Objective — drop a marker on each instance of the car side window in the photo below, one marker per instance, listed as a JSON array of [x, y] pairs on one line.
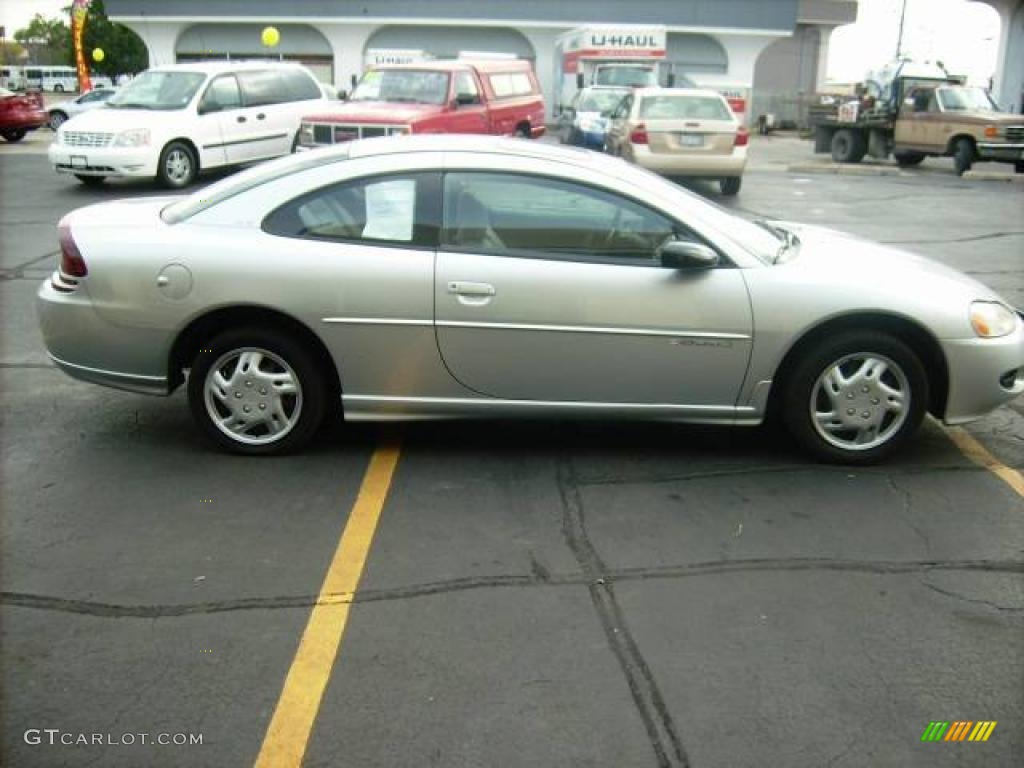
[[465, 89], [380, 209], [221, 94], [516, 214], [623, 109], [263, 87]]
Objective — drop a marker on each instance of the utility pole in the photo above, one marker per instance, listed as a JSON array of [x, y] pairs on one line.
[[899, 40]]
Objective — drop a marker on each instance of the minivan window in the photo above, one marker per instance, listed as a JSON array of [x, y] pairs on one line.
[[299, 85], [156, 89], [262, 87], [221, 94]]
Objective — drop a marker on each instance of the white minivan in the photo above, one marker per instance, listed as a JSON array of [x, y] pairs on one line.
[[171, 122]]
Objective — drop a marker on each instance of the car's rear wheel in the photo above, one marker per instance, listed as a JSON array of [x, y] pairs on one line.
[[963, 156], [257, 391], [57, 119], [58, 88], [523, 131], [14, 134], [178, 165], [91, 181], [730, 186], [848, 146], [906, 159], [856, 397]]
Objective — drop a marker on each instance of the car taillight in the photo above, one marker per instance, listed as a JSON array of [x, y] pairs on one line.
[[639, 135], [71, 261], [742, 137]]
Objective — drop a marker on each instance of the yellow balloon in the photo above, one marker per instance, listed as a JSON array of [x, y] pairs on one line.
[[270, 37], [98, 54]]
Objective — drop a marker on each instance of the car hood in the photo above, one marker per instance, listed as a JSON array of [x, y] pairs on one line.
[[113, 120], [868, 265], [983, 117], [376, 112]]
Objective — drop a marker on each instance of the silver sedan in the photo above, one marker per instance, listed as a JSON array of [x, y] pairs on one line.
[[457, 276]]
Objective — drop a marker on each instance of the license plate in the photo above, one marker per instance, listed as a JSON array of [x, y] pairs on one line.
[[78, 161], [691, 139]]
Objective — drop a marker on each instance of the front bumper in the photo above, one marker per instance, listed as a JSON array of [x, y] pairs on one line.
[[87, 347], [983, 374], [988, 150], [691, 164], [137, 162]]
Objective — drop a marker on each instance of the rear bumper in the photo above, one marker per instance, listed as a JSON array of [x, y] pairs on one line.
[[87, 347], [983, 374], [103, 161], [690, 164]]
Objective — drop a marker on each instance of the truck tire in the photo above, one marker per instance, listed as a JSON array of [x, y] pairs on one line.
[[848, 146], [907, 159], [963, 156], [1019, 166]]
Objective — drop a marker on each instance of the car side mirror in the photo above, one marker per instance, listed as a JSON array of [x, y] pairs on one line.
[[464, 99], [684, 254]]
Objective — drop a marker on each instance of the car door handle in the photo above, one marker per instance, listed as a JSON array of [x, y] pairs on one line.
[[240, 118], [471, 289], [260, 116]]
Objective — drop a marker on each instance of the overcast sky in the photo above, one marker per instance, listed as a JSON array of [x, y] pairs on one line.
[[964, 35]]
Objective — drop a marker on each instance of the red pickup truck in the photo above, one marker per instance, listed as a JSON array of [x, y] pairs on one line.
[[459, 96]]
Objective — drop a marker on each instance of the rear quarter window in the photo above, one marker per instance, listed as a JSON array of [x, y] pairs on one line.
[[276, 87], [684, 107], [507, 85]]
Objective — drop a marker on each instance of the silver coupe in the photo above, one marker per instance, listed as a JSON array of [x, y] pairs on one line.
[[458, 276]]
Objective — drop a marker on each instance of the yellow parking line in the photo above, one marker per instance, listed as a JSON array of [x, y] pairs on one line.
[[977, 453], [288, 733]]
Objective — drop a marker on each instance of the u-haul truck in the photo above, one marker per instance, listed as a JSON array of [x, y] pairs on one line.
[[613, 55]]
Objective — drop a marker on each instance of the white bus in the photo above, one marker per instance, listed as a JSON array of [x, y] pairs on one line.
[[51, 78], [12, 78]]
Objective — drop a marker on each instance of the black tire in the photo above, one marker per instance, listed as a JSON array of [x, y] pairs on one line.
[[14, 134], [91, 181], [1019, 166], [183, 166], [730, 186], [58, 88], [963, 156], [848, 146], [57, 118], [802, 384], [907, 159], [308, 408], [523, 131]]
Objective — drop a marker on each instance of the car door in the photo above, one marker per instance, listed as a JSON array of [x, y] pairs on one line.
[[261, 118], [550, 290], [468, 113], [220, 129]]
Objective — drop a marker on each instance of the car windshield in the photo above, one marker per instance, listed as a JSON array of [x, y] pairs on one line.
[[629, 76], [684, 107], [158, 90], [966, 100], [402, 85], [600, 100]]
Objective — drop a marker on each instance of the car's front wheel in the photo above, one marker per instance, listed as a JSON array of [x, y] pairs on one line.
[[257, 391], [963, 156], [856, 397], [178, 165], [57, 119], [14, 134]]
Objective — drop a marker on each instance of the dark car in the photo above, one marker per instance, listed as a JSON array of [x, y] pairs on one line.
[[584, 122], [20, 114]]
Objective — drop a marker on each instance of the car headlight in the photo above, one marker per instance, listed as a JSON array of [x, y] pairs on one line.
[[991, 319], [138, 137]]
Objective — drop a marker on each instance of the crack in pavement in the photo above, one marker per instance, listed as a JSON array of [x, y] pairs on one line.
[[967, 239], [978, 600], [10, 273], [793, 564], [650, 704]]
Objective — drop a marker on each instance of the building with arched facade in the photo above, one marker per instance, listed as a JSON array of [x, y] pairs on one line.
[[772, 46]]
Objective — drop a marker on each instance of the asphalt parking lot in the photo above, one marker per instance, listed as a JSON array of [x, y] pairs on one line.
[[534, 594]]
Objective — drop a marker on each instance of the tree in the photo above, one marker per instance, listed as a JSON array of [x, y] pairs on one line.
[[47, 40], [12, 52], [123, 50]]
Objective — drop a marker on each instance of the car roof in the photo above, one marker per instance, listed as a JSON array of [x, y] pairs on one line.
[[677, 92], [218, 66], [495, 145]]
